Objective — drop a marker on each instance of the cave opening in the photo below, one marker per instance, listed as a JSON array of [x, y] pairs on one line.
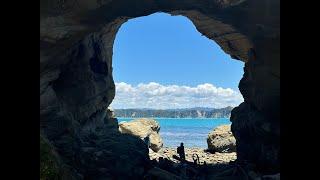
[[76, 82], [165, 69]]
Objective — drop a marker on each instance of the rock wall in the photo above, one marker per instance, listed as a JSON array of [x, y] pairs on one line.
[[76, 84], [74, 117]]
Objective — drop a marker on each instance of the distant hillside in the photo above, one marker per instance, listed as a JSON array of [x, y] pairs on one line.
[[197, 112]]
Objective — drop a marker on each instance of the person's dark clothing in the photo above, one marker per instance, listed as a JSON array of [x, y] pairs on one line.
[[180, 151]]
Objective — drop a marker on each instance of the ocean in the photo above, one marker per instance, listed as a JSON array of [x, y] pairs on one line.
[[193, 132]]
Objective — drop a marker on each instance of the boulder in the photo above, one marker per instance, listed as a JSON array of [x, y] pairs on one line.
[[143, 128], [113, 154], [221, 139]]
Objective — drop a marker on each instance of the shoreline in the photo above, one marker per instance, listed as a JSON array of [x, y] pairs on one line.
[[209, 158], [170, 118]]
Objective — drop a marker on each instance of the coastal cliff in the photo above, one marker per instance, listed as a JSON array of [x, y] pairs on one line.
[[175, 113]]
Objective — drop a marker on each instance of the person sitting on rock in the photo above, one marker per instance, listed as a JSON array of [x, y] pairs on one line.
[[180, 151]]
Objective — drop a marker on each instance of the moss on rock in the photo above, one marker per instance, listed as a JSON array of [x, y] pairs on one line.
[[49, 163]]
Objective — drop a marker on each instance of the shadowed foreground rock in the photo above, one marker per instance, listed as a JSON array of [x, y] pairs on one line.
[[219, 166], [143, 128], [221, 139]]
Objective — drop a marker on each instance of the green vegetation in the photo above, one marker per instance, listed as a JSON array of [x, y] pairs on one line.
[[49, 164]]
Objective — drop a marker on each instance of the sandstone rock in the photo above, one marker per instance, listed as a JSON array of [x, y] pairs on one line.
[[143, 128], [221, 139], [155, 141]]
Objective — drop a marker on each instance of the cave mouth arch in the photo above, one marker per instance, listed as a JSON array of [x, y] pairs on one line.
[[231, 41], [73, 95], [160, 48], [138, 44]]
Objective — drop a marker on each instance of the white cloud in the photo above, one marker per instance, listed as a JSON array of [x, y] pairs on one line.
[[157, 96]]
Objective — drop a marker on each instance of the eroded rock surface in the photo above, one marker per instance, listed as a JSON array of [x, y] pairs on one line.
[[75, 117], [143, 128], [221, 139]]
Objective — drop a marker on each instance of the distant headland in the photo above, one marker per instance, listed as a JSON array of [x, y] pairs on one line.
[[196, 112]]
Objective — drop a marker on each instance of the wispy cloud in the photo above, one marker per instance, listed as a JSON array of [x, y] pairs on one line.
[[157, 96]]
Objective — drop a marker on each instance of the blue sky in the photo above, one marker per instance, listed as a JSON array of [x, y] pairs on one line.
[[167, 51]]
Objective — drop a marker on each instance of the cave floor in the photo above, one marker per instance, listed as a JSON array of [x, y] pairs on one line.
[[217, 166], [204, 156]]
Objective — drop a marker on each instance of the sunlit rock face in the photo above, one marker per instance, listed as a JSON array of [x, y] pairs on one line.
[[143, 128], [221, 139], [76, 83]]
